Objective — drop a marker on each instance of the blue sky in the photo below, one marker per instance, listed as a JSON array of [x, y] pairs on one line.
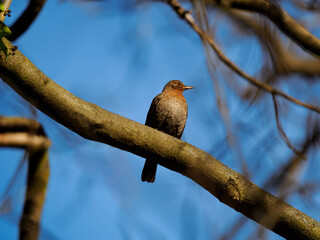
[[120, 59]]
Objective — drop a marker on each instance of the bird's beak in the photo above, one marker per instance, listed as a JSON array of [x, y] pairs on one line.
[[186, 87]]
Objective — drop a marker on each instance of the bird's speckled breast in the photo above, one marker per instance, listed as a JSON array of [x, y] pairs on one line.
[[171, 113]]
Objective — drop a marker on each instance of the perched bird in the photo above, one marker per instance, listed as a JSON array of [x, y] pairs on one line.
[[168, 113]]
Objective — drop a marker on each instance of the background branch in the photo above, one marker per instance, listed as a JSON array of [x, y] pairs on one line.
[[185, 15], [38, 175], [23, 140], [26, 19], [280, 18], [29, 135], [281, 131], [18, 124]]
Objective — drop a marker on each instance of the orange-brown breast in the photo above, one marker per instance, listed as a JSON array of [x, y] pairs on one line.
[[168, 112]]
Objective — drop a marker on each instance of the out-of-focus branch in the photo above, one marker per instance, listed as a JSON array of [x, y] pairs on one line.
[[23, 140], [279, 17], [28, 134], [232, 139], [18, 124], [281, 131], [312, 5], [38, 175], [284, 179], [186, 15], [279, 178], [94, 123], [26, 19], [284, 61], [22, 133]]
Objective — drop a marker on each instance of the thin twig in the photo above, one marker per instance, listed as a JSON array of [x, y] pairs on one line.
[[233, 141], [186, 15], [282, 133]]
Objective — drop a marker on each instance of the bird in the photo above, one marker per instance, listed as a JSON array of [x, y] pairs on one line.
[[168, 113]]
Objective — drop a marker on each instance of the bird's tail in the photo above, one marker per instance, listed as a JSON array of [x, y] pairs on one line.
[[149, 171]]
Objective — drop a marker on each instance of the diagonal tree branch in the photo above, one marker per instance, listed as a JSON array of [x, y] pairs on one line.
[[94, 123], [185, 15], [284, 60], [279, 17], [280, 129]]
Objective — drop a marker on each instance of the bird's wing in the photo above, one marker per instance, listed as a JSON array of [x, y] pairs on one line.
[[151, 120]]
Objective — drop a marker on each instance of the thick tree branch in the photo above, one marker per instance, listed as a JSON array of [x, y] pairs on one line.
[[94, 123], [280, 18]]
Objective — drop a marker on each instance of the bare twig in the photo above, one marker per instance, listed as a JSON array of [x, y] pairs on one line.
[[280, 179], [280, 129], [284, 60], [279, 17], [186, 15], [29, 134], [5, 197], [221, 101], [281, 61]]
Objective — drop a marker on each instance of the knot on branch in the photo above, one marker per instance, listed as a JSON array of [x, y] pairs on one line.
[[232, 192], [184, 14]]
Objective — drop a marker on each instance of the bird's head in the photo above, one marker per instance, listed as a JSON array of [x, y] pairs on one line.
[[176, 84]]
